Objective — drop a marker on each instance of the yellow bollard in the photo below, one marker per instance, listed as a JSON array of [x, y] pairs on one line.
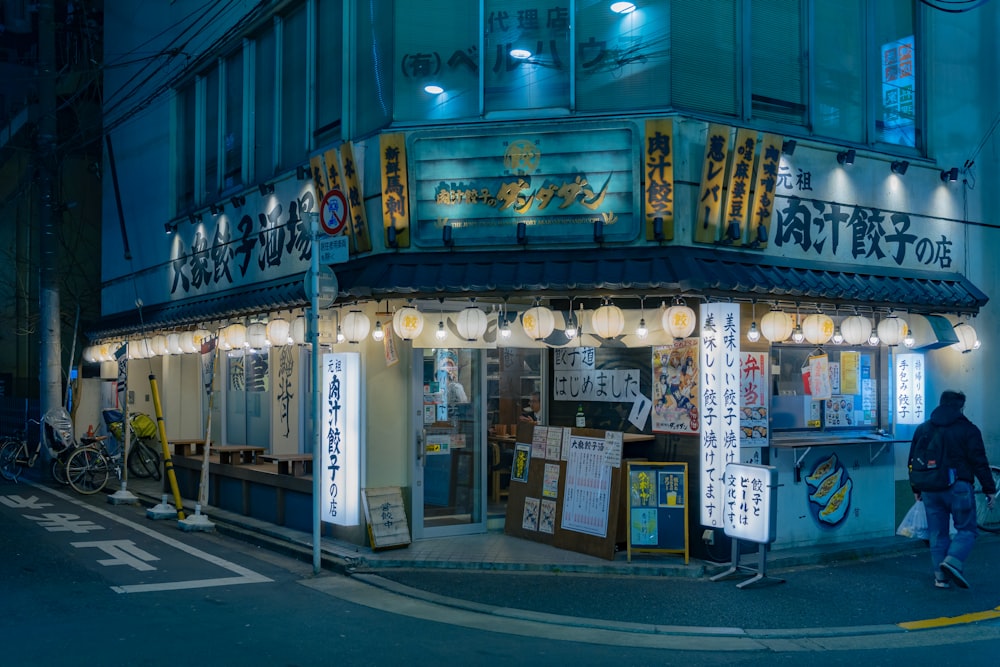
[[168, 464]]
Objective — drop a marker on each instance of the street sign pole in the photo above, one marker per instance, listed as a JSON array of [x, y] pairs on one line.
[[313, 328]]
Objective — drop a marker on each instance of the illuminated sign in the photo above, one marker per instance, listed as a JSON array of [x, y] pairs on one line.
[[719, 390], [911, 407], [751, 507], [340, 439]]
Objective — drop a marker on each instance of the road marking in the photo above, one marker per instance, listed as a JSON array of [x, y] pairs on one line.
[[945, 621], [244, 575]]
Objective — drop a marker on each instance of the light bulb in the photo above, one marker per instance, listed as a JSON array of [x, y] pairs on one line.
[[753, 334], [379, 332], [642, 331], [440, 334], [797, 335], [837, 337], [571, 329], [340, 335], [908, 339], [873, 339]]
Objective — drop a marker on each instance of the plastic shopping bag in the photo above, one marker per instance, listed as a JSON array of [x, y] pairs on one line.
[[914, 524]]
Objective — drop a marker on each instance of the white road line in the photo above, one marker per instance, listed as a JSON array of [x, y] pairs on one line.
[[245, 576]]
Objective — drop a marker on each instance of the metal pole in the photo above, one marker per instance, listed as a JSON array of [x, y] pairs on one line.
[[168, 464], [313, 328]]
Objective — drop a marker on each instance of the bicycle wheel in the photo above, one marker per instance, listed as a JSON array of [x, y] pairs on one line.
[[12, 459], [87, 470], [988, 519], [58, 469], [143, 461]]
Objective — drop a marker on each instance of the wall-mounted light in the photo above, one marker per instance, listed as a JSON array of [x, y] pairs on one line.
[[899, 166], [847, 157], [170, 228], [194, 218], [788, 146], [302, 173], [622, 7], [390, 237], [446, 237], [658, 228], [266, 189], [599, 231], [522, 233], [520, 54], [950, 175], [216, 209], [433, 89], [238, 201]]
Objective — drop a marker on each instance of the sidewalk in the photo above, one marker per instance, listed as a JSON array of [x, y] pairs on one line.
[[867, 587]]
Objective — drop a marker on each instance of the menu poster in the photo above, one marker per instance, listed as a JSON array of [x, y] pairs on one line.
[[613, 451], [588, 487]]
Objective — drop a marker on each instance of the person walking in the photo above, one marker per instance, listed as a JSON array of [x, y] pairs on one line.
[[965, 458]]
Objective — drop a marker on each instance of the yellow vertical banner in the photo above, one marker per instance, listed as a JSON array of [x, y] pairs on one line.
[[765, 181], [317, 168], [358, 229], [713, 177], [659, 164], [738, 199], [332, 163], [395, 189]]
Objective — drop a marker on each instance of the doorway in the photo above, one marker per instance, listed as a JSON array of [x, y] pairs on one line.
[[449, 497]]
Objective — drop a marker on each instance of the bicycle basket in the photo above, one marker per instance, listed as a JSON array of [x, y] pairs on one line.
[[57, 431], [113, 419], [143, 426]]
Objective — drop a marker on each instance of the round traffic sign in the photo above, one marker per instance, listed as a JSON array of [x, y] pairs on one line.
[[333, 212]]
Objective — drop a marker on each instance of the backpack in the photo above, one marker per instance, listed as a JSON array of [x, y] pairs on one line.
[[928, 469]]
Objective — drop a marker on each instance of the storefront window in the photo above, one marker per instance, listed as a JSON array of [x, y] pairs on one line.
[[184, 164], [824, 389], [294, 126], [329, 70], [526, 55], [896, 108], [264, 105], [232, 132]]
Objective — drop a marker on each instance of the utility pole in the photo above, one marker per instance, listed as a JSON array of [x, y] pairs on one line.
[[50, 324]]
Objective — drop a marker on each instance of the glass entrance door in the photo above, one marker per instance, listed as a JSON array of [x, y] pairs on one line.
[[449, 497]]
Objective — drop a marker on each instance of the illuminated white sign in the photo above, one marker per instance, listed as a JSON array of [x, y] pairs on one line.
[[340, 439], [911, 407], [751, 505], [719, 391]]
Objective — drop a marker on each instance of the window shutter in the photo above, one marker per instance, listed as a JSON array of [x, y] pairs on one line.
[[703, 55], [777, 61]]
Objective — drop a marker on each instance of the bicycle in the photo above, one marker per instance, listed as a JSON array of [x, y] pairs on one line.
[[143, 459], [988, 518], [16, 457], [89, 467]]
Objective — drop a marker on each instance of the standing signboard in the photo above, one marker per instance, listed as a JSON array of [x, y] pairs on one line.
[[657, 508]]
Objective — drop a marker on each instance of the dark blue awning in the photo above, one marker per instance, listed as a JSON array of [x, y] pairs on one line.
[[710, 272]]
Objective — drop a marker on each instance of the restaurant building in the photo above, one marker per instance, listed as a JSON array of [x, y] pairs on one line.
[[733, 231]]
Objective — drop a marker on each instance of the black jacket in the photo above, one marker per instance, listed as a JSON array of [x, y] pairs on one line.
[[965, 450]]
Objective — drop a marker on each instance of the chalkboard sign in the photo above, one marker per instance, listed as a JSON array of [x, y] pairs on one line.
[[657, 508]]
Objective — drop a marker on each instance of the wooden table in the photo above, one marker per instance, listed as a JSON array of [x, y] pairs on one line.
[[193, 446], [245, 453], [295, 465]]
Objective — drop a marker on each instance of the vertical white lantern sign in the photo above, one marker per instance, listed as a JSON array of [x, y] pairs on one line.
[[911, 406], [340, 439], [720, 404]]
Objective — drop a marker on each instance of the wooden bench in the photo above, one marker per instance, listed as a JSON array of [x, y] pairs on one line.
[[191, 447], [244, 453], [295, 465]]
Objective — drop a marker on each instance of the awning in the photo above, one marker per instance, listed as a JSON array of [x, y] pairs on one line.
[[674, 270], [639, 272]]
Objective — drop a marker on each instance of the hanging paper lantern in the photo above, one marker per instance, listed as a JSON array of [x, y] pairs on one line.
[[139, 349], [777, 326], [158, 346], [298, 330], [856, 329], [538, 322], [356, 326], [471, 323], [277, 331], [186, 342], [90, 354], [174, 344], [608, 321], [968, 340], [235, 336], [679, 320], [257, 336], [817, 328], [892, 330], [408, 322]]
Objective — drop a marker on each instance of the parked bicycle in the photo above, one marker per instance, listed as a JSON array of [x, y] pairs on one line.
[[89, 467], [143, 457], [988, 517], [18, 455]]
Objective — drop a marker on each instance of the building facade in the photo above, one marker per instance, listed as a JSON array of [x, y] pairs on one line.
[[538, 196]]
